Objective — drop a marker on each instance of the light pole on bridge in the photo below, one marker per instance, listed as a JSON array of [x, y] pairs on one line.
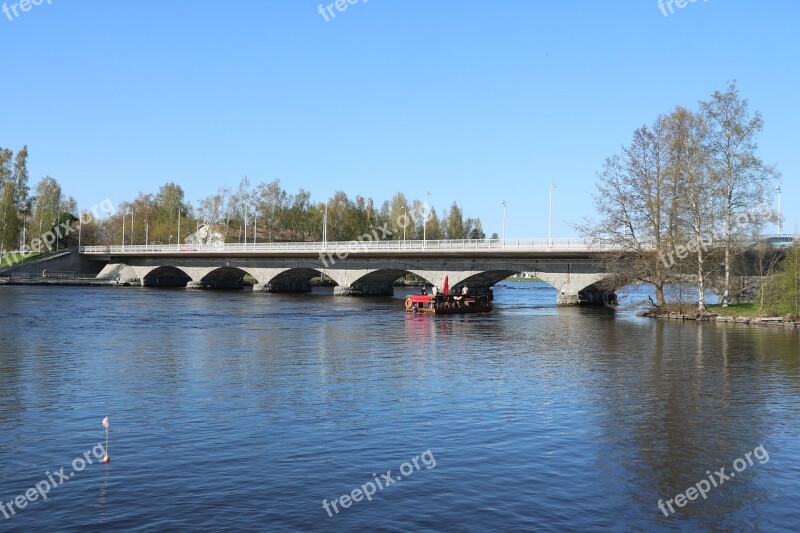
[[178, 242], [504, 222], [550, 224], [425, 220], [405, 223], [780, 222], [325, 224]]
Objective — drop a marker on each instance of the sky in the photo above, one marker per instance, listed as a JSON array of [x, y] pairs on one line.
[[474, 102]]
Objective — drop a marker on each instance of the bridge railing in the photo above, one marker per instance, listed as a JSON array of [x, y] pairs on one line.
[[543, 244]]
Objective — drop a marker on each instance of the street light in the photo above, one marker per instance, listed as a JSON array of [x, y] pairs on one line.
[[504, 222], [405, 223], [146, 231], [425, 220], [123, 232], [550, 225], [780, 222], [325, 224], [178, 242]]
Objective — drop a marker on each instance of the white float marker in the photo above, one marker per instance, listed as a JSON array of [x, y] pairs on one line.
[[105, 425]]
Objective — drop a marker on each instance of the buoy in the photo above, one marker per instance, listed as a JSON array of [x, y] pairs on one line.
[[106, 425]]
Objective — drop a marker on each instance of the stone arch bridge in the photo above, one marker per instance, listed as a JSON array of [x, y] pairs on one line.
[[572, 267]]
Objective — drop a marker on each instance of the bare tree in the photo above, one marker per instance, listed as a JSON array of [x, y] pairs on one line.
[[743, 176], [689, 166], [636, 200]]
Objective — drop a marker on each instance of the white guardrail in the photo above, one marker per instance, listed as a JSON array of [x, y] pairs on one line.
[[572, 245]]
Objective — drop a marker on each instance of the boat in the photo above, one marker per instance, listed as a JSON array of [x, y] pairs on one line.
[[448, 304]]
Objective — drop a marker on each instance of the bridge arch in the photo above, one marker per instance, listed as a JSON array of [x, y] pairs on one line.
[[165, 276], [226, 278], [293, 280]]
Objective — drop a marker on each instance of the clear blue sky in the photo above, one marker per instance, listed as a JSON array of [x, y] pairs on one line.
[[476, 102]]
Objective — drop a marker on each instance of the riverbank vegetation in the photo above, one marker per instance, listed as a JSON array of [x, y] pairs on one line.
[[689, 195]]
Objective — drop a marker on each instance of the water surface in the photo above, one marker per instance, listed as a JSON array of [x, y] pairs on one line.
[[241, 411]]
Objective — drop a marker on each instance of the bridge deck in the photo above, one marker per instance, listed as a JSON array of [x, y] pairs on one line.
[[494, 246]]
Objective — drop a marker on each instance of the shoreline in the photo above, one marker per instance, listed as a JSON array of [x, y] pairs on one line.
[[63, 282], [713, 317]]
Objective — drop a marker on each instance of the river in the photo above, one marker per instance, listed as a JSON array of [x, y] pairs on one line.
[[241, 411]]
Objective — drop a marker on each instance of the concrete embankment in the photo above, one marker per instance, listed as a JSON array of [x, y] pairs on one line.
[[60, 282], [760, 321]]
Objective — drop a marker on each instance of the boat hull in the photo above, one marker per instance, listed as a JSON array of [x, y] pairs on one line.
[[427, 305]]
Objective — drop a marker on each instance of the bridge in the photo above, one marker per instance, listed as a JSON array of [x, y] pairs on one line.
[[361, 267]]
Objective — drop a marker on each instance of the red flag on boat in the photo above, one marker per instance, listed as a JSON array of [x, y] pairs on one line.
[[105, 422], [446, 286]]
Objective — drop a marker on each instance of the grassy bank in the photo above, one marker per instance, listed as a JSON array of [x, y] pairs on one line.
[[16, 259]]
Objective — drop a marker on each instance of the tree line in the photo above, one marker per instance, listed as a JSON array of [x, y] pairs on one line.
[[685, 197], [260, 212]]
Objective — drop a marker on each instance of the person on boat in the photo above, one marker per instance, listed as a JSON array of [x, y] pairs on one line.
[[435, 291], [464, 291], [423, 291]]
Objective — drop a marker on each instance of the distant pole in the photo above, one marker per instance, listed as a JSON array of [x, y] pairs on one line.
[[123, 232], [131, 226], [80, 228], [325, 224], [425, 221], [780, 222], [550, 225], [245, 226], [255, 230], [405, 223], [178, 242], [504, 222], [146, 232]]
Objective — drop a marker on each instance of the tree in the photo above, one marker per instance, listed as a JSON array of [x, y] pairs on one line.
[[433, 228], [689, 167], [743, 176], [400, 215], [49, 199], [271, 202], [784, 292], [474, 229], [9, 230], [639, 208], [455, 223]]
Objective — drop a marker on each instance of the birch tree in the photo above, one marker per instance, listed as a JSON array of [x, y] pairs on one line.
[[743, 176]]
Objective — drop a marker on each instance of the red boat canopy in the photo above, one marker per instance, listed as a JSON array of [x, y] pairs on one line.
[[420, 298]]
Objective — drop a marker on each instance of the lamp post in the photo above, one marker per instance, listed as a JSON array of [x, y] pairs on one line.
[[131, 226], [405, 223], [178, 242], [550, 224], [425, 220], [255, 229], [325, 224], [80, 230], [123, 232], [146, 231], [504, 222], [780, 222]]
